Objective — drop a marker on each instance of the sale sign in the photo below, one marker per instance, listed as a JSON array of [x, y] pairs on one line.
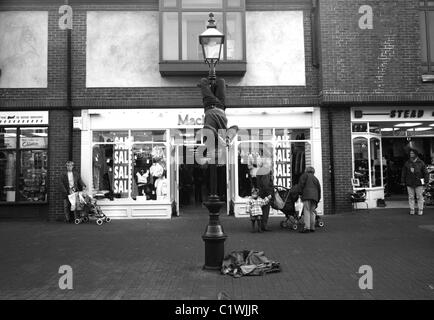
[[282, 163], [121, 161]]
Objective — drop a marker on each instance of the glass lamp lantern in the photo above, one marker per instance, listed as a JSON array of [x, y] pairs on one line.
[[211, 41]]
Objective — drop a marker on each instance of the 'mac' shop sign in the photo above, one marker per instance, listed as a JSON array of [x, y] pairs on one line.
[[393, 114]]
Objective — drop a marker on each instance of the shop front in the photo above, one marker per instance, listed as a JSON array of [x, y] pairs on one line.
[[23, 163], [149, 163], [381, 140]]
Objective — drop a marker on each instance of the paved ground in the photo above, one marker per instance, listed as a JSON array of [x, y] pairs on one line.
[[162, 259]]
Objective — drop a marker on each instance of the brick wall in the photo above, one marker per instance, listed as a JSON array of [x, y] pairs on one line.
[[382, 64], [337, 159], [58, 137]]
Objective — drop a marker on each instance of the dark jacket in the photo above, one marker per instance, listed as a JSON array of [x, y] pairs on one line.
[[310, 187], [412, 179], [265, 184], [64, 183]]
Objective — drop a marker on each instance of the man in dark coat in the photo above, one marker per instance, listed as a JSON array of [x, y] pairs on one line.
[[70, 182], [264, 180], [415, 176], [310, 195]]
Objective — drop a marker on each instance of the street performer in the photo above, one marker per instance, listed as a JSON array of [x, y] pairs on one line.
[[213, 97]]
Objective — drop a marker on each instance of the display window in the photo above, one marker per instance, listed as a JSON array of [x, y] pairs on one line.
[[281, 153], [130, 164], [23, 164]]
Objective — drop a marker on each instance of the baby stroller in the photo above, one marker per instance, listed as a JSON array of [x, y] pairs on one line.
[[284, 199], [92, 212]]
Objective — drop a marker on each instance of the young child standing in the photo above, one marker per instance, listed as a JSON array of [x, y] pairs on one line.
[[254, 208]]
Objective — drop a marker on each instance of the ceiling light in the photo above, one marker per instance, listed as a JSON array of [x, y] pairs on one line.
[[388, 129], [408, 124]]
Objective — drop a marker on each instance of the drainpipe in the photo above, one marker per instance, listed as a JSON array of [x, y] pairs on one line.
[[69, 87], [332, 162]]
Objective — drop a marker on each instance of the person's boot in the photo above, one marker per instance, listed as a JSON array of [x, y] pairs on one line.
[[253, 226], [420, 212], [412, 212]]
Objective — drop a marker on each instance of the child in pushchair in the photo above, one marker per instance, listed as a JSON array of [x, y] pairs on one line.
[[91, 211], [284, 199]]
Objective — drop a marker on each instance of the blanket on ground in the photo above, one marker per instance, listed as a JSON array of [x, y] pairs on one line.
[[248, 263]]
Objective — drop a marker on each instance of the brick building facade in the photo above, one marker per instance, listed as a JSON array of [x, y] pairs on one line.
[[347, 65]]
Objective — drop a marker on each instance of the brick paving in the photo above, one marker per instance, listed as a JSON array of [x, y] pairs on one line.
[[162, 259]]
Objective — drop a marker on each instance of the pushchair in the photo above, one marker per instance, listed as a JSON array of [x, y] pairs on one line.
[[91, 211], [284, 199]]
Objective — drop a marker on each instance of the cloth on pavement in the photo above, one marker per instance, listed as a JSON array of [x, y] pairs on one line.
[[248, 263]]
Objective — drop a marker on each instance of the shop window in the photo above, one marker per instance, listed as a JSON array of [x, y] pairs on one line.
[[7, 175], [33, 175], [182, 22], [427, 34], [130, 164], [287, 153], [361, 166], [253, 158], [150, 171], [376, 162], [368, 162], [23, 164]]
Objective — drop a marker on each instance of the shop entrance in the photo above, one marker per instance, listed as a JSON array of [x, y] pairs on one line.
[[395, 154], [193, 187]]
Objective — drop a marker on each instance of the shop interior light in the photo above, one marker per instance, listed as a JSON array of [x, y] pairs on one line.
[[423, 128], [408, 124], [431, 125], [388, 129]]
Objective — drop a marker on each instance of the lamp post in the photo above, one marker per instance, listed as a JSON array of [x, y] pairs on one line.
[[214, 237]]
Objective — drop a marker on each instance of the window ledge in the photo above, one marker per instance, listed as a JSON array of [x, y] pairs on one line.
[[428, 77], [195, 68]]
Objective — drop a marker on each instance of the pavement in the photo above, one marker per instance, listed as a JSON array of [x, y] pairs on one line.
[[163, 259]]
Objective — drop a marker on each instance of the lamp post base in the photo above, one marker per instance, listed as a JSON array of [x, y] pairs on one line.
[[214, 236]]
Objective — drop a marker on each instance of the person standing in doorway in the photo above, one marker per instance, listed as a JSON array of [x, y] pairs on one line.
[[310, 195], [415, 176], [70, 182]]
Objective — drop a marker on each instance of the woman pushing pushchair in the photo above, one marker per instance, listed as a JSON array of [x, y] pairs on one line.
[[285, 199]]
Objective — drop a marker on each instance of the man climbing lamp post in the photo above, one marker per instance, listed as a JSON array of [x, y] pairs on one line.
[[214, 237]]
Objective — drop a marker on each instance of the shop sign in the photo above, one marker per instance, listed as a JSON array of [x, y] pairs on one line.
[[187, 120], [121, 160], [78, 123], [33, 142], [282, 163], [23, 117], [393, 114]]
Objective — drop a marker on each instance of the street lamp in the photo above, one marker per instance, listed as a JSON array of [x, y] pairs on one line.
[[211, 41], [214, 237]]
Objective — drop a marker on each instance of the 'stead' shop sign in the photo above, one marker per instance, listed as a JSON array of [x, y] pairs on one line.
[[121, 160], [282, 163]]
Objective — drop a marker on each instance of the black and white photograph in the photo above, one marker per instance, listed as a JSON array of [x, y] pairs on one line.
[[217, 154]]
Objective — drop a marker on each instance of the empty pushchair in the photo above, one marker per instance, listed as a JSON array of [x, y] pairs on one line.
[[284, 200]]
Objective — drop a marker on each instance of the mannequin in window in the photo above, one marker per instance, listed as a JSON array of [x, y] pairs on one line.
[[142, 180], [217, 134]]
